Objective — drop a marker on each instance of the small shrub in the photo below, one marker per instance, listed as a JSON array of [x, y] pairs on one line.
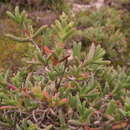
[[63, 88], [106, 27]]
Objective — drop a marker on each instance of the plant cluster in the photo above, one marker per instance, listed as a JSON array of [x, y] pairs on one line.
[[64, 86], [108, 27], [57, 5]]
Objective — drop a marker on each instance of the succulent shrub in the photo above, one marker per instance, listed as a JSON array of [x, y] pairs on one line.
[[108, 27], [63, 87]]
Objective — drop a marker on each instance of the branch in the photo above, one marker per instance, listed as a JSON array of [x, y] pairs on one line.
[[58, 84]]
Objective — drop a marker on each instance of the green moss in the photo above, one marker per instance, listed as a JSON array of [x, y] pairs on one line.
[[11, 52]]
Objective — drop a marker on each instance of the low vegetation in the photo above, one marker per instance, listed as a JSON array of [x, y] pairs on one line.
[[73, 74]]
